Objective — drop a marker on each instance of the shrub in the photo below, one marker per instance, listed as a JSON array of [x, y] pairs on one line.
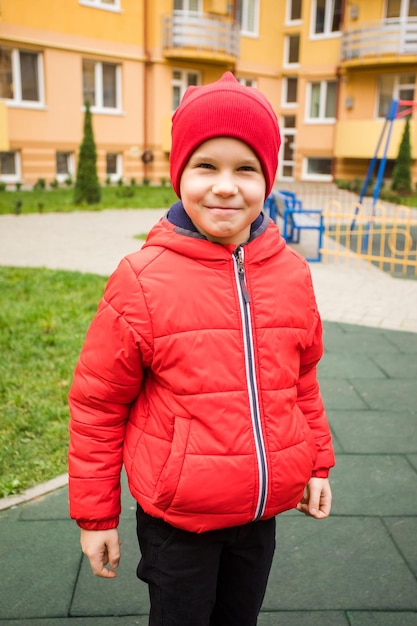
[[40, 184], [87, 188], [401, 175]]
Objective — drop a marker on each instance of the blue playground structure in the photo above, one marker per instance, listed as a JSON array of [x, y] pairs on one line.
[[397, 110]]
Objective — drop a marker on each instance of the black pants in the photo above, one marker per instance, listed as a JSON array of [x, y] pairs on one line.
[[217, 578]]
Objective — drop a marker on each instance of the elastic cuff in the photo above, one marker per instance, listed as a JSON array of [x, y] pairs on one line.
[[321, 472], [105, 524]]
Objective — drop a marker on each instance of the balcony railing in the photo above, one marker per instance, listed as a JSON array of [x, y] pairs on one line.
[[195, 34], [392, 36]]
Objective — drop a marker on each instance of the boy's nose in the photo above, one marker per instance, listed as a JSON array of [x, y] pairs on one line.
[[225, 186]]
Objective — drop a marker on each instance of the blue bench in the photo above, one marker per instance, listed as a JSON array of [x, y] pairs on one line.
[[295, 218]]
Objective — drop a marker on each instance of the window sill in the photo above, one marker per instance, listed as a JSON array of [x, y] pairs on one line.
[[35, 106], [103, 7]]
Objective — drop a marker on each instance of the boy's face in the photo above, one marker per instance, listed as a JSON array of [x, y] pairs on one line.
[[223, 189]]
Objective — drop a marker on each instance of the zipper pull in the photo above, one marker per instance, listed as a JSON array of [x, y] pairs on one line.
[[241, 273]]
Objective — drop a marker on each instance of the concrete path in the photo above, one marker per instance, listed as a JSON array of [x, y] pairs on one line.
[[96, 241], [357, 568]]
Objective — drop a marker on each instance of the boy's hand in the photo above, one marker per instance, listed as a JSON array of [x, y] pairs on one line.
[[102, 547], [317, 498]]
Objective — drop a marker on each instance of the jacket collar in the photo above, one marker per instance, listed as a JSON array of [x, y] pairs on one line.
[[178, 216]]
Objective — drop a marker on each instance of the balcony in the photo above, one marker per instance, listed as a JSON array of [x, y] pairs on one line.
[[379, 42], [358, 139], [200, 37]]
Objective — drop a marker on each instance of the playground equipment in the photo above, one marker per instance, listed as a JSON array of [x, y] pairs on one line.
[[397, 110]]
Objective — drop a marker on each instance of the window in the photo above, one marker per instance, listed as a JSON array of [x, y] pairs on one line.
[[180, 81], [10, 167], [287, 157], [394, 87], [64, 165], [188, 5], [327, 16], [247, 14], [321, 99], [293, 10], [315, 168], [110, 5], [290, 88], [248, 82], [292, 50], [114, 166], [401, 8], [21, 77], [101, 85]]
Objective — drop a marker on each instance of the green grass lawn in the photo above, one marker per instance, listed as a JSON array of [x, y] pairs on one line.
[[61, 199], [44, 315]]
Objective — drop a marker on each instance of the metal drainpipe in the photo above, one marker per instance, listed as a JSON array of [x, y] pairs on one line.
[[145, 85]]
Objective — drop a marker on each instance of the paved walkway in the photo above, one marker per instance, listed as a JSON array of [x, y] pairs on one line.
[[357, 568]]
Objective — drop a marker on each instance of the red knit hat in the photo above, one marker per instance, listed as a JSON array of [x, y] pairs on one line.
[[224, 109]]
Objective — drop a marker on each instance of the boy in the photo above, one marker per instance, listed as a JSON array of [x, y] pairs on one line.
[[199, 373]]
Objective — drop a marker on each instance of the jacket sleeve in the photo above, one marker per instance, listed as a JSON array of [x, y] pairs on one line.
[[106, 381], [310, 401]]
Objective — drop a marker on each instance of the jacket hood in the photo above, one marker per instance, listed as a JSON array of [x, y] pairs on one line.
[[175, 231]]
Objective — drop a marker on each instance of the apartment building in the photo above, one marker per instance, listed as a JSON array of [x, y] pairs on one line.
[[329, 67]]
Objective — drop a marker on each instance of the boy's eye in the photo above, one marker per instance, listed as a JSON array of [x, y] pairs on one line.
[[246, 168], [207, 166]]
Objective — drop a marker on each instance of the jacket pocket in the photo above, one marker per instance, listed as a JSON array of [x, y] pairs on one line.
[[170, 476]]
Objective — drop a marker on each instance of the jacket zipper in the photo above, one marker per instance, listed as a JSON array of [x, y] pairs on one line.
[[244, 299]]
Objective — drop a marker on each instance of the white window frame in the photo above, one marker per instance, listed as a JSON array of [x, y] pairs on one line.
[[288, 19], [61, 178], [182, 82], [114, 178], [247, 82], [287, 134], [287, 63], [315, 177], [244, 18], [397, 87], [328, 19], [321, 118], [284, 103], [98, 107], [404, 10], [17, 100], [186, 7], [100, 4], [17, 177]]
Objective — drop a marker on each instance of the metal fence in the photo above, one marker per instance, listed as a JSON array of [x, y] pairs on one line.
[[385, 236]]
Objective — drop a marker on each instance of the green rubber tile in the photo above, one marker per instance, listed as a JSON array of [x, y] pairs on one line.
[[387, 395], [340, 394], [404, 532], [373, 485], [298, 618], [382, 618], [123, 595], [374, 432], [402, 366], [338, 564], [39, 568], [405, 342], [368, 342], [52, 506], [412, 458], [349, 365], [113, 620]]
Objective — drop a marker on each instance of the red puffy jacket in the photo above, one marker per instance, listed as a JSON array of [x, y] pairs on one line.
[[199, 372]]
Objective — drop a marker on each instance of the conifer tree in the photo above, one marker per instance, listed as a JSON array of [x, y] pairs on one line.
[[87, 187], [401, 175]]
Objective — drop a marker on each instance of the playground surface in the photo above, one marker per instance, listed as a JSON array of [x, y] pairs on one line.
[[357, 568]]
